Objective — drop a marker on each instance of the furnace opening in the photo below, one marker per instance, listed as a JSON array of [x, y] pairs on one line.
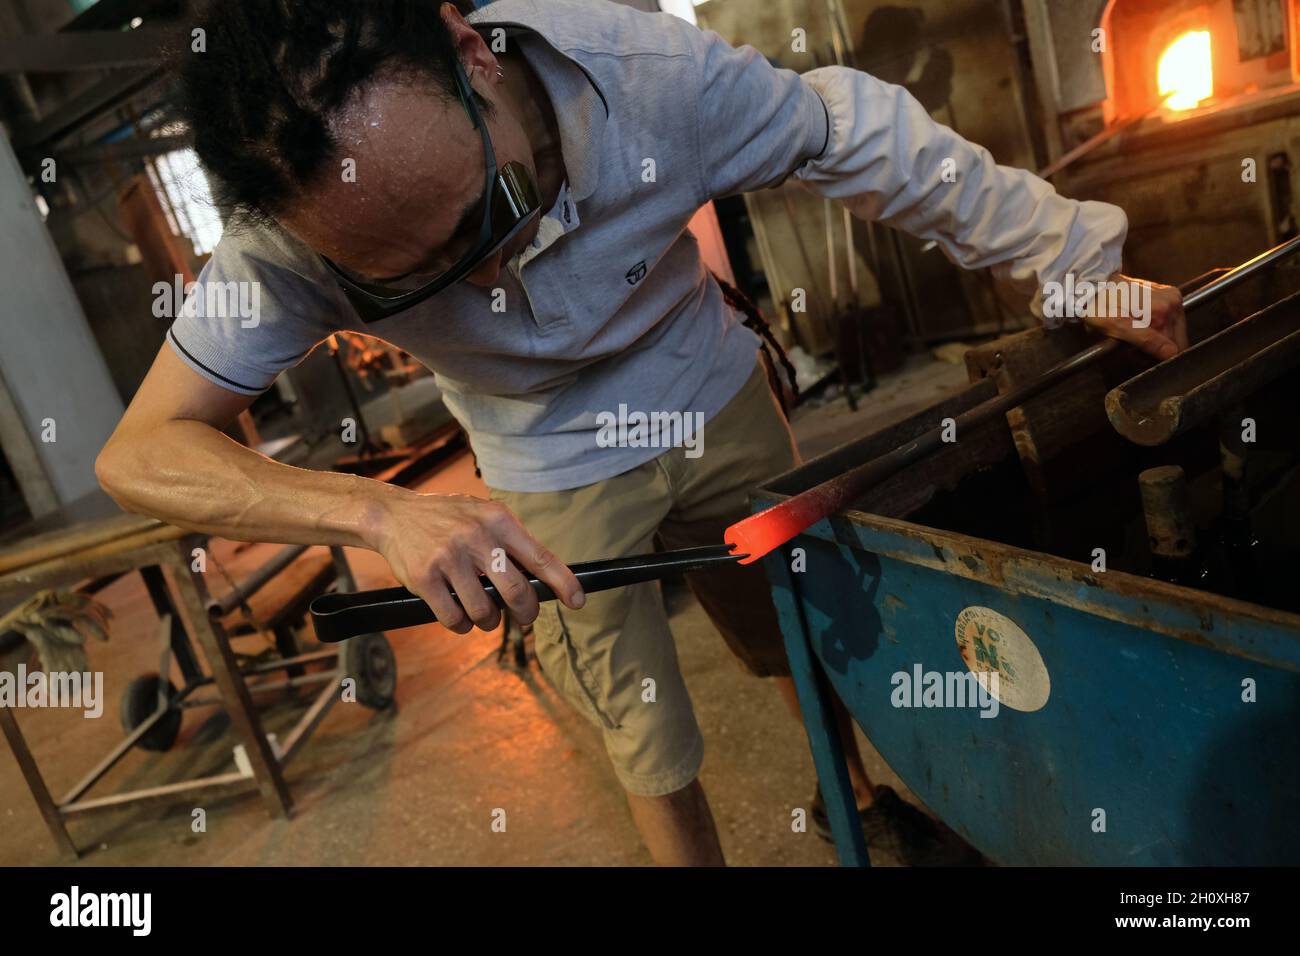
[[1185, 75], [1184, 57]]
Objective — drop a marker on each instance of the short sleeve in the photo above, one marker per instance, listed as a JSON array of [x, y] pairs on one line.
[[258, 307]]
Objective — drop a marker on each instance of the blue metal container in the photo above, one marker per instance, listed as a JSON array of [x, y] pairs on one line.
[[1136, 723]]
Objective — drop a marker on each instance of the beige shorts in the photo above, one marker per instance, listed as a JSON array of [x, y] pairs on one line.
[[603, 657]]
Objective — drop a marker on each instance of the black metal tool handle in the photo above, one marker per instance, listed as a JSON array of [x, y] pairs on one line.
[[340, 616]]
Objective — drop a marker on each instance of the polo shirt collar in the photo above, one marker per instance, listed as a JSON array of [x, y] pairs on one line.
[[580, 107]]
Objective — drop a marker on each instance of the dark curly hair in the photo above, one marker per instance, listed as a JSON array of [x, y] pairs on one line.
[[260, 97]]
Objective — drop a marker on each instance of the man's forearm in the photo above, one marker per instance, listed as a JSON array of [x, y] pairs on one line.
[[887, 159], [189, 474]]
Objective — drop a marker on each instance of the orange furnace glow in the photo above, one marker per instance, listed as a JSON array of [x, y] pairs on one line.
[[1185, 75]]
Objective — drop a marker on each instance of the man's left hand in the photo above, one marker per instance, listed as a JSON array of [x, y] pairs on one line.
[[1164, 335]]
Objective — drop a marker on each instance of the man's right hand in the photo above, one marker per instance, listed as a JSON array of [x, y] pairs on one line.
[[437, 544], [168, 459]]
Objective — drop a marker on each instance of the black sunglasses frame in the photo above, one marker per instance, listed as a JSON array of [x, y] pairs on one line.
[[509, 193]]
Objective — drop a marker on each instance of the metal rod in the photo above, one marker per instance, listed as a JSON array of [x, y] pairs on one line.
[[340, 616], [219, 607], [280, 663], [80, 788], [829, 215], [1088, 145], [761, 533], [317, 678], [1238, 274], [218, 784], [114, 755], [852, 254], [310, 720]]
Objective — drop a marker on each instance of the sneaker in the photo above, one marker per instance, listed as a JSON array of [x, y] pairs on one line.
[[911, 836]]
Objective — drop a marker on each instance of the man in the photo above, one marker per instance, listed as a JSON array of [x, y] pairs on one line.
[[506, 199]]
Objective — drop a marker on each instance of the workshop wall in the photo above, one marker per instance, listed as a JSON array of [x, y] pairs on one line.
[[956, 57]]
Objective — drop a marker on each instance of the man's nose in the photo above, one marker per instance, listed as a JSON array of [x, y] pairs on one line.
[[486, 274]]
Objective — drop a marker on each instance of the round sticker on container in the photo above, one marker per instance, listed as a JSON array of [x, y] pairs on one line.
[[992, 644]]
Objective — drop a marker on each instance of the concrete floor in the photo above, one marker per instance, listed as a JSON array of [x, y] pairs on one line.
[[419, 783]]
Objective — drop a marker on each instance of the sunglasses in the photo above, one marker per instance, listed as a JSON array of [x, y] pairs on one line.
[[511, 199]]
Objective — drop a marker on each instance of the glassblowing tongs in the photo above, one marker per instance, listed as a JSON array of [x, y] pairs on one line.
[[340, 616]]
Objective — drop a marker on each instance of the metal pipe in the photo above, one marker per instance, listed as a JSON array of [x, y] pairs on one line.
[[1088, 145], [219, 607]]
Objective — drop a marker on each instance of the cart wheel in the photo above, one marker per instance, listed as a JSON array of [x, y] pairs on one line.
[[368, 659], [139, 702]]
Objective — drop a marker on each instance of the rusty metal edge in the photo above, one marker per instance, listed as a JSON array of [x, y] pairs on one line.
[[1008, 568], [1159, 403]]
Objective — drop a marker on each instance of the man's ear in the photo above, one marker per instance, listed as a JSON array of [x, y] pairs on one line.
[[469, 46]]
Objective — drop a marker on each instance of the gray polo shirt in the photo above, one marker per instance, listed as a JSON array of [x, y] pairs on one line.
[[656, 118]]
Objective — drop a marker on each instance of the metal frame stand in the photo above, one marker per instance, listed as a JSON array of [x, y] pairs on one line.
[[235, 694]]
